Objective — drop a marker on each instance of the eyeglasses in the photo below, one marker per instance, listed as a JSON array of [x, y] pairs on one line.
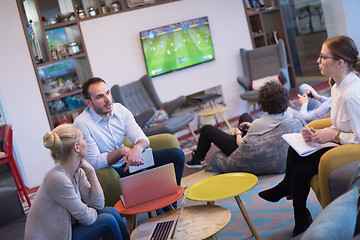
[[321, 57]]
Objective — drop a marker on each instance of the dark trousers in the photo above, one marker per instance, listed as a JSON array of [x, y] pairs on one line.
[[162, 157], [299, 171], [225, 142]]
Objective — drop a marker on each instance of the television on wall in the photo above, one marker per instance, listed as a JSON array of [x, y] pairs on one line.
[[177, 46]]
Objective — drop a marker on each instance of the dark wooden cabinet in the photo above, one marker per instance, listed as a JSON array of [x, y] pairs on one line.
[[266, 25]]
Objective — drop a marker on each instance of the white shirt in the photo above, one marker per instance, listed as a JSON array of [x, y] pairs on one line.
[[104, 136], [345, 109]]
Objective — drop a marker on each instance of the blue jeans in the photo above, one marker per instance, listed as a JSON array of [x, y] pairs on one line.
[[108, 225], [313, 104], [162, 157]]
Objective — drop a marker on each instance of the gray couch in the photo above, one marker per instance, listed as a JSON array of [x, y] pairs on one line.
[[259, 155], [12, 216]]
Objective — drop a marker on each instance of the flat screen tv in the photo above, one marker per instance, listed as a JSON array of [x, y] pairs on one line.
[[177, 46]]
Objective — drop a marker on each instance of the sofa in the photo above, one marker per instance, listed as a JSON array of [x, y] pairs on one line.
[[12, 215], [109, 178], [258, 155]]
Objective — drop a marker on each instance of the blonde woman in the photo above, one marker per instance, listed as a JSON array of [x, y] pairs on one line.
[[69, 205]]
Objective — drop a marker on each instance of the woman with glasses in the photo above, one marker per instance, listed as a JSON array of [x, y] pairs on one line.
[[339, 60]]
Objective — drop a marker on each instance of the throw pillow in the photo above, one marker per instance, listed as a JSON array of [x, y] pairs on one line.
[[258, 83], [158, 117], [337, 221]]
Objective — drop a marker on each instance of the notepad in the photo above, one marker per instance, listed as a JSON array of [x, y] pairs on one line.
[[296, 141]]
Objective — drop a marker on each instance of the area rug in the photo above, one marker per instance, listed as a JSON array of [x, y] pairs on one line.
[[272, 221]]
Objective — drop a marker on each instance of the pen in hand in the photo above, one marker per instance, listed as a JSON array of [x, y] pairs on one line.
[[309, 129]]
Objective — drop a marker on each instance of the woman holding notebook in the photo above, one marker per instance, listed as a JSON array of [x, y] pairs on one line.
[[339, 60], [59, 211]]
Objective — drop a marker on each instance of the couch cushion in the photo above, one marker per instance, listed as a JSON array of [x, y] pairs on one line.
[[13, 230], [265, 154], [172, 124], [337, 220]]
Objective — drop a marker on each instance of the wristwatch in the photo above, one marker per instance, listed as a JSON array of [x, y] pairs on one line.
[[337, 138]]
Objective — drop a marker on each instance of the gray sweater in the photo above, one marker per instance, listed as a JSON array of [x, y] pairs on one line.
[[57, 202]]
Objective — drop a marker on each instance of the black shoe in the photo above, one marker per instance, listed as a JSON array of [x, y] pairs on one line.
[[302, 222], [274, 194], [195, 162]]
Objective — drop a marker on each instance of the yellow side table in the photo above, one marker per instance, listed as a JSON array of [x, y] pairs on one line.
[[209, 116], [225, 186]]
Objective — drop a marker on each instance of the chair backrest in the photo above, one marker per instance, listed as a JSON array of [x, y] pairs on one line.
[[6, 135], [265, 61], [137, 96]]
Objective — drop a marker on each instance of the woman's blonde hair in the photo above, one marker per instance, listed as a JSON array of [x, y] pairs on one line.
[[61, 140]]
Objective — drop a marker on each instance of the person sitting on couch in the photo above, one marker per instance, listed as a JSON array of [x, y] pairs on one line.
[[273, 99], [105, 125]]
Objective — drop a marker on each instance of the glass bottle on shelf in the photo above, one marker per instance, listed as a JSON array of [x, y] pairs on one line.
[[80, 9], [92, 11], [104, 9], [115, 6]]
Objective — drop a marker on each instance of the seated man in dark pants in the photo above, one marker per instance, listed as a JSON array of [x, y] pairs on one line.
[[273, 99], [105, 124]]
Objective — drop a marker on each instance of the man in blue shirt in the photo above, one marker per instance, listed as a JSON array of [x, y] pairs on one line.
[[104, 125]]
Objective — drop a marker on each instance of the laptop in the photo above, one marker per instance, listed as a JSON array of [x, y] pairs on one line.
[[162, 229], [148, 159], [148, 185]]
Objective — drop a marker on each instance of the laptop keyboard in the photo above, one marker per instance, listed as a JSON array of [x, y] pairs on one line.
[[162, 230]]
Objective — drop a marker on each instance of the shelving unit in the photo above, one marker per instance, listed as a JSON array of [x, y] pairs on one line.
[[265, 25], [58, 51]]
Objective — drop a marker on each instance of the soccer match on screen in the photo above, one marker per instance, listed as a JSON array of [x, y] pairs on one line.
[[177, 46]]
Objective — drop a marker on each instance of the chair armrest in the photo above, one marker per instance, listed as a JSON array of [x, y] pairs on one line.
[[109, 181], [171, 106], [244, 82], [332, 160], [143, 117], [321, 123], [158, 141], [163, 141]]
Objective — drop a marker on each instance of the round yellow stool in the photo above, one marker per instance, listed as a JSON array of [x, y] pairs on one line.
[[225, 186]]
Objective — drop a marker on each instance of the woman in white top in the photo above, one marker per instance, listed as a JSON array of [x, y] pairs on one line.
[[339, 60], [68, 204]]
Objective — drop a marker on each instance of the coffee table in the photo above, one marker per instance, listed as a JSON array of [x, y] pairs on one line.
[[225, 186], [196, 222]]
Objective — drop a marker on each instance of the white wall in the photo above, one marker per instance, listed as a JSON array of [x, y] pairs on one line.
[[115, 53], [21, 100], [342, 18]]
